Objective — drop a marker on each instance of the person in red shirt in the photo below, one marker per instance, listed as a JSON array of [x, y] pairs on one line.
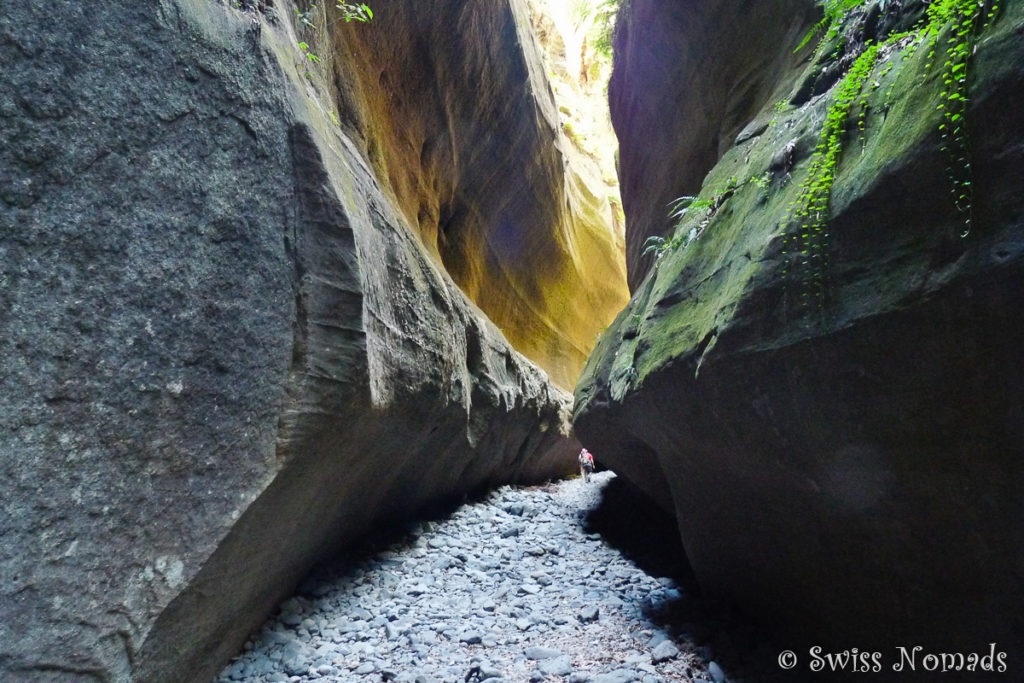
[[586, 464]]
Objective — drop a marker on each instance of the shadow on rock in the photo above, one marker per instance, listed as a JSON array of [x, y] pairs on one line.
[[641, 531], [630, 522]]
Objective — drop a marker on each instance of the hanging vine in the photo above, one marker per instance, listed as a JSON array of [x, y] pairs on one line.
[[807, 223]]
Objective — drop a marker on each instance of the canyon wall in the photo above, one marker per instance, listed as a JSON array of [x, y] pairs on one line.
[[679, 94], [456, 115], [832, 411], [232, 338]]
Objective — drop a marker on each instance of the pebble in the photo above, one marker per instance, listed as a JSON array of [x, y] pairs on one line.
[[664, 652], [558, 666], [508, 588]]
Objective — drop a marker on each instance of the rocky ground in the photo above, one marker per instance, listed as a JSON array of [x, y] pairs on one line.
[[509, 588]]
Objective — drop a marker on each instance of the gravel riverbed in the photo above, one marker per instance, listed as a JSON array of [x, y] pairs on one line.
[[508, 588]]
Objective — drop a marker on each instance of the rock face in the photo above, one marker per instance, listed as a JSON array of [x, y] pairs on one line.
[[459, 119], [677, 104], [226, 352], [578, 73], [840, 443]]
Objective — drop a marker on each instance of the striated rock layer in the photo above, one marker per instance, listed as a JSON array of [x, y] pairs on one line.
[[457, 115], [841, 444], [226, 351]]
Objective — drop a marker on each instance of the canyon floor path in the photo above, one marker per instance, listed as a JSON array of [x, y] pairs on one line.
[[511, 587]]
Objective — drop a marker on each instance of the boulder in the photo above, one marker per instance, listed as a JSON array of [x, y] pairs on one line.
[[839, 440], [227, 351]]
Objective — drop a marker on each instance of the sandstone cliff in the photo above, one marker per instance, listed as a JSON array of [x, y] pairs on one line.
[[231, 342], [456, 115], [678, 102], [832, 410]]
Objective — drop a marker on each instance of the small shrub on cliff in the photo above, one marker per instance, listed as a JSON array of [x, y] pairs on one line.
[[351, 12], [693, 215]]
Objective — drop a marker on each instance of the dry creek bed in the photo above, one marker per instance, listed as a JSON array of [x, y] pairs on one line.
[[509, 588]]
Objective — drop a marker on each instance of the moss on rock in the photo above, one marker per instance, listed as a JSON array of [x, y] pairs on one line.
[[808, 423]]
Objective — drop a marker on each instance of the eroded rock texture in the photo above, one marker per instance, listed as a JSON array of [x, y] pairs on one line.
[[459, 118], [677, 103], [226, 353], [840, 442]]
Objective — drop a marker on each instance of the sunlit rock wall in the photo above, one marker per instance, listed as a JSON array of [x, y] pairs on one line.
[[228, 349], [452, 105], [835, 421]]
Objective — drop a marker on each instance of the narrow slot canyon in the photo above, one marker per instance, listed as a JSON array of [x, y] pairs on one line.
[[309, 310]]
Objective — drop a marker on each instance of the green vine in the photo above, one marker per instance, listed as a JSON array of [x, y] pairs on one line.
[[908, 49], [806, 224], [806, 240], [965, 19], [810, 209], [831, 23]]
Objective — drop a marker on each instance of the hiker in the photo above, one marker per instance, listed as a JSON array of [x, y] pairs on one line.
[[586, 464]]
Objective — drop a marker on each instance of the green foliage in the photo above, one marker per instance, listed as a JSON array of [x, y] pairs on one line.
[[659, 246], [349, 12], [835, 12], [353, 12], [810, 210], [692, 215], [806, 241], [309, 55], [604, 27], [807, 238], [306, 18], [965, 20], [678, 208], [963, 17], [908, 44], [762, 181]]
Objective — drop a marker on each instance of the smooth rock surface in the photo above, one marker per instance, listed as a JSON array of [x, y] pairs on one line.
[[676, 108], [839, 443], [227, 352], [452, 104]]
